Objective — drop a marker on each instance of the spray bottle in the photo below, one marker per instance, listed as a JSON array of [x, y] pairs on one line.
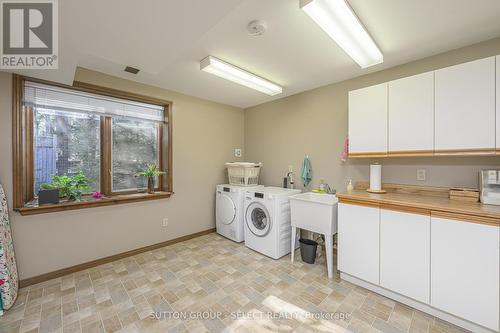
[[290, 177]]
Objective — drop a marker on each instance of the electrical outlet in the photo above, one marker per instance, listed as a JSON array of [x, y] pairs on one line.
[[421, 174], [237, 152], [164, 222]]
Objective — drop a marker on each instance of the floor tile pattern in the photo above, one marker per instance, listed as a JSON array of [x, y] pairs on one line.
[[209, 284]]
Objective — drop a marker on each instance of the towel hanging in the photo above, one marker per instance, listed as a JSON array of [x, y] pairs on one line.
[[306, 171], [345, 151]]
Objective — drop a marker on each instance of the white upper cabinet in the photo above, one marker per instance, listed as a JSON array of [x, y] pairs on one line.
[[465, 270], [411, 114], [465, 107], [368, 120], [498, 103], [405, 244], [448, 111]]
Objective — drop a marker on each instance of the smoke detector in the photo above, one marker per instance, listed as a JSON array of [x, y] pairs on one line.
[[256, 28]]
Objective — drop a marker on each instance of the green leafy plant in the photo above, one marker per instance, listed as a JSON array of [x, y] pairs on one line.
[[70, 187], [151, 171], [47, 186]]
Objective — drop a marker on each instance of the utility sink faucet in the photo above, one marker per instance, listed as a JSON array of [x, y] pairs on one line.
[[329, 190], [325, 188]]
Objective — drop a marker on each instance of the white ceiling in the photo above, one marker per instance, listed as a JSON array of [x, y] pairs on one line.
[[166, 39]]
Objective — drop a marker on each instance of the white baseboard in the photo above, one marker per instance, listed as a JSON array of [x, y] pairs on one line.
[[416, 304]]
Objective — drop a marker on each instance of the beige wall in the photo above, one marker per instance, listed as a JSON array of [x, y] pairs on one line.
[[282, 132], [204, 136], [278, 133]]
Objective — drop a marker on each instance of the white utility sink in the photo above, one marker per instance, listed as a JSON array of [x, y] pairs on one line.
[[315, 212]]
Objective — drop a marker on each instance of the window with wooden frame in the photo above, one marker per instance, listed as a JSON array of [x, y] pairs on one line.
[[107, 135]]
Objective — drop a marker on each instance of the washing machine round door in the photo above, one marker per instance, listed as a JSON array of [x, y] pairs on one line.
[[225, 210], [258, 219]]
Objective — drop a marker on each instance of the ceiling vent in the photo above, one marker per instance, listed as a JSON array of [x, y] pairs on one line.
[[256, 28], [132, 70]]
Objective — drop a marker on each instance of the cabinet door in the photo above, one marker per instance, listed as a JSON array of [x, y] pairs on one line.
[[411, 114], [465, 107], [368, 120], [464, 270], [498, 105], [358, 241], [405, 242]]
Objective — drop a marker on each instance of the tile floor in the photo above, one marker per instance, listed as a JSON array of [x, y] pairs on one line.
[[206, 285]]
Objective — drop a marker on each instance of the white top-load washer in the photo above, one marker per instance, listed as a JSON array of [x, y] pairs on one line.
[[268, 228], [229, 219]]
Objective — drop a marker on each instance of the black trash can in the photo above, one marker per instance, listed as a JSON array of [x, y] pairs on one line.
[[308, 250]]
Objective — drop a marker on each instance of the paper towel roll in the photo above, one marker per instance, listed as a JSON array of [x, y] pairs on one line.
[[375, 177]]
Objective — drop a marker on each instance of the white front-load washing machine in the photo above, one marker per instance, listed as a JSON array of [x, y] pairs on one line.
[[229, 212], [268, 227]]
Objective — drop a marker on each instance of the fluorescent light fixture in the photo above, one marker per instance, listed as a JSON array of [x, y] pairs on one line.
[[232, 73], [339, 21]]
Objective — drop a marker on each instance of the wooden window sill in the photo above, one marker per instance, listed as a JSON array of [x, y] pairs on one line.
[[90, 203]]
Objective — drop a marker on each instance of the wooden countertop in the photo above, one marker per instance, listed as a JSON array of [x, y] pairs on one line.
[[419, 203]]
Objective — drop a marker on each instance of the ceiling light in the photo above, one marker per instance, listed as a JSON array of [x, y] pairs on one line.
[[339, 21], [232, 73]]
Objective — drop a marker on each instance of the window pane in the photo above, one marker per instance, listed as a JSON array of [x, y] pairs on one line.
[[66, 143], [135, 144]]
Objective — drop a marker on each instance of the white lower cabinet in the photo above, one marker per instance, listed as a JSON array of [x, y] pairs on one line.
[[465, 261], [405, 253], [445, 261], [358, 241]]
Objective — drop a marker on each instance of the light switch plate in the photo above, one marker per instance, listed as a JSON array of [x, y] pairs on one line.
[[237, 152], [421, 174]]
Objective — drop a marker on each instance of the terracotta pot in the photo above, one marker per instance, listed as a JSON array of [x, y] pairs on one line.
[[151, 185]]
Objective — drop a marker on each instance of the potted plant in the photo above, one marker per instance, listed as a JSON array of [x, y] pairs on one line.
[[68, 187], [48, 194], [151, 172]]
